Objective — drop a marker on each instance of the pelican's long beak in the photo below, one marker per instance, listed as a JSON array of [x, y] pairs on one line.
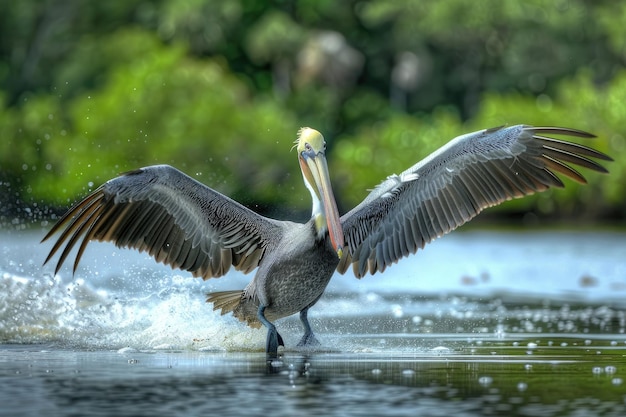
[[315, 172]]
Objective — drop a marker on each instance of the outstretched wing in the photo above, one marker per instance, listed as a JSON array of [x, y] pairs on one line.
[[454, 184], [173, 217]]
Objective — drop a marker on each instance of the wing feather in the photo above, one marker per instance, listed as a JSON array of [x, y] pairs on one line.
[[173, 217], [454, 184]]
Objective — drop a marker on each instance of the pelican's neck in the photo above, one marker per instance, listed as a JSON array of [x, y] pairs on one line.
[[317, 213]]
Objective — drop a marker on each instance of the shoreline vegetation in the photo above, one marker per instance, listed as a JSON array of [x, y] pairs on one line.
[[219, 90]]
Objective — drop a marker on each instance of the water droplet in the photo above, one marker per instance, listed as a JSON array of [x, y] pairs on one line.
[[485, 380]]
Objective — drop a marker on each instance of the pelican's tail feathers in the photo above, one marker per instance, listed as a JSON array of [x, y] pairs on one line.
[[226, 301], [237, 303]]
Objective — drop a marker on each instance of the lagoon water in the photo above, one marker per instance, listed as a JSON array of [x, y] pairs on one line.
[[479, 323]]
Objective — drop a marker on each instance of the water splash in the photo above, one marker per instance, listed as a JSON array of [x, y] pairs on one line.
[[77, 315]]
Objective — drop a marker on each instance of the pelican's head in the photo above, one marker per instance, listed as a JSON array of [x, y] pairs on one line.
[[311, 148]]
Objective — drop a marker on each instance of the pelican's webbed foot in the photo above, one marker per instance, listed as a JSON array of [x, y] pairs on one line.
[[308, 339], [274, 339]]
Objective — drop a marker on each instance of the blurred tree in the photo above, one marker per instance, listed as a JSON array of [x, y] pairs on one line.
[[218, 87], [394, 145], [159, 107], [493, 45], [37, 36]]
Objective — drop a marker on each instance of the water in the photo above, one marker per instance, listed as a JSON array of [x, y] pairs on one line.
[[479, 323]]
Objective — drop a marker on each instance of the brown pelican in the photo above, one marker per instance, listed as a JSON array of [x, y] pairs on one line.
[[187, 225]]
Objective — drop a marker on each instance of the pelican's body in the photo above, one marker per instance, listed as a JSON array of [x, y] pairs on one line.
[[187, 225], [289, 282]]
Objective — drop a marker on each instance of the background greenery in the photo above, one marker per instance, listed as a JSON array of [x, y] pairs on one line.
[[219, 88]]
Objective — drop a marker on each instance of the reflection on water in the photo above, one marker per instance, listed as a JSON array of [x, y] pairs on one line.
[[481, 377], [478, 324]]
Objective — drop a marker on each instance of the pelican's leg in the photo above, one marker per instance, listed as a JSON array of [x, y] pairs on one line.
[[308, 339], [273, 338]]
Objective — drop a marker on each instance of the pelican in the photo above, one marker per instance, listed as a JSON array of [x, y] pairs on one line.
[[187, 225]]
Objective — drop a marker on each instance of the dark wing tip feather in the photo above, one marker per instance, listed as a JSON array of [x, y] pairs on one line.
[[567, 131], [563, 168], [75, 219], [572, 147]]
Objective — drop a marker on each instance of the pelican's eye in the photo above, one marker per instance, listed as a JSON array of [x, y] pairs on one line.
[[307, 150]]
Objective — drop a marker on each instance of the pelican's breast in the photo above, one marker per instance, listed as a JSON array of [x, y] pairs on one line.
[[298, 273]]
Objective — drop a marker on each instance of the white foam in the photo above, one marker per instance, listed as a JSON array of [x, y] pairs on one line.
[[48, 311]]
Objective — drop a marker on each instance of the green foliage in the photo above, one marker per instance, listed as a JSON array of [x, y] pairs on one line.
[[388, 147], [497, 46], [159, 107], [275, 36], [360, 162], [219, 89], [27, 132]]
